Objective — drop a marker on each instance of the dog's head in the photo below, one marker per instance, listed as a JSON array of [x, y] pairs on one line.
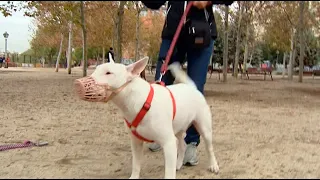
[[115, 75], [108, 78]]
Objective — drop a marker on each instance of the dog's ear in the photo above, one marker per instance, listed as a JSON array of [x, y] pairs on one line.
[[136, 68], [110, 58]]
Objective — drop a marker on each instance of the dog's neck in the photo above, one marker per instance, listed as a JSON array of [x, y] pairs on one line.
[[132, 97]]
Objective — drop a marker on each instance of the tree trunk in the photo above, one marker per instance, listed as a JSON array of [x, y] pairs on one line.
[[301, 36], [43, 61], [294, 56], [225, 49], [251, 56], [98, 57], [318, 53], [84, 40], [69, 55], [236, 62], [284, 64], [114, 36], [292, 52], [137, 35], [246, 49], [59, 54], [103, 54], [118, 56]]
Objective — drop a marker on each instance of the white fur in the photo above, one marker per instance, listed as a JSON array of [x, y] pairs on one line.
[[157, 124]]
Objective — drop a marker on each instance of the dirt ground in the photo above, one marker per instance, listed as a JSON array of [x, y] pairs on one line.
[[262, 129]]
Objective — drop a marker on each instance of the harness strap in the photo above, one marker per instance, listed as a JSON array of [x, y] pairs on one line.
[[145, 108], [173, 104], [135, 133]]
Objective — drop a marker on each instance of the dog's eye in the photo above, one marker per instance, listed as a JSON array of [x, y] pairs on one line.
[[107, 73]]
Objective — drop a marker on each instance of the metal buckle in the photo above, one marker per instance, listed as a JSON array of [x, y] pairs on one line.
[[160, 78], [41, 143]]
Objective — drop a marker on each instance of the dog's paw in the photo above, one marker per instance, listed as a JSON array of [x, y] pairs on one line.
[[214, 168], [133, 177]]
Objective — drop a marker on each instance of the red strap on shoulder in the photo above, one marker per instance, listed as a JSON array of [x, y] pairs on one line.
[[145, 108]]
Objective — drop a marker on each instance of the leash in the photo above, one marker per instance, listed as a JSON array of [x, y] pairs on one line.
[[164, 66], [22, 145]]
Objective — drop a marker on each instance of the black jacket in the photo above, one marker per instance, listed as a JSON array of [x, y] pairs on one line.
[[174, 13]]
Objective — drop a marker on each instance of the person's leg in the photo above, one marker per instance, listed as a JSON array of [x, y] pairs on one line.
[[168, 79], [198, 62]]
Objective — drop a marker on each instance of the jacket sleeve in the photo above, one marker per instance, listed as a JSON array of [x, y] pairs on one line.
[[153, 4], [227, 3]]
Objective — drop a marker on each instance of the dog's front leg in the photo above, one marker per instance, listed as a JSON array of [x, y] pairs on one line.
[[181, 149], [137, 153], [170, 154]]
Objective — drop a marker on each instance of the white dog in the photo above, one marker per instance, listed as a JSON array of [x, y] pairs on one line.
[[171, 111]]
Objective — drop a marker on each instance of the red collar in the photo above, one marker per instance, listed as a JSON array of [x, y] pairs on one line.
[[145, 108]]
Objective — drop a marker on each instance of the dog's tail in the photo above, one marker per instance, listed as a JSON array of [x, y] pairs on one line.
[[180, 75]]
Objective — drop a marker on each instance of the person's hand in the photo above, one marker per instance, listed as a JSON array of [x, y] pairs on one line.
[[200, 4]]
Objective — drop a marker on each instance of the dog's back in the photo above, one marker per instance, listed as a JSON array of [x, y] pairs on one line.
[[190, 103]]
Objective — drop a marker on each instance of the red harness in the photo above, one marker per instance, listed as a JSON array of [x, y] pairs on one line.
[[145, 108], [147, 104]]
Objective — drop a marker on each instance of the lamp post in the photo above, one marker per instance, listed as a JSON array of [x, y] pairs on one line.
[[6, 35]]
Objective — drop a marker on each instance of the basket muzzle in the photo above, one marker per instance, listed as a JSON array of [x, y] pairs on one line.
[[87, 89]]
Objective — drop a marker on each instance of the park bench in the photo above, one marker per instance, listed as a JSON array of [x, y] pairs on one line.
[[12, 64], [211, 70], [315, 73], [307, 73], [218, 70], [259, 71]]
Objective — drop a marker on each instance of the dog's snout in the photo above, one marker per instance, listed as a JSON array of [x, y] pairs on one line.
[[87, 89], [79, 88]]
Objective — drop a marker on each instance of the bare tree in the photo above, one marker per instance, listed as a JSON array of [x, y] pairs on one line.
[[225, 42], [301, 34], [292, 54], [59, 54], [84, 36], [139, 7], [248, 17], [119, 30], [69, 52], [284, 64], [236, 62]]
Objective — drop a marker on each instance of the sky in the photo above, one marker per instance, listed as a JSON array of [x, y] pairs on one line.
[[18, 28]]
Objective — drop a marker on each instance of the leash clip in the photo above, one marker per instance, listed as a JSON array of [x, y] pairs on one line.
[[41, 143], [159, 81], [160, 78]]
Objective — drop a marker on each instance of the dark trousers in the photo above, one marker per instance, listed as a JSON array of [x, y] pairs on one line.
[[198, 62]]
